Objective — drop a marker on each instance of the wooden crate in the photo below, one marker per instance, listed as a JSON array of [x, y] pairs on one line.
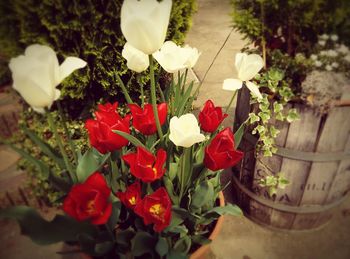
[[314, 155]]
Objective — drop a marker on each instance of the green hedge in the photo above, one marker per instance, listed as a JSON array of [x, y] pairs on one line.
[[88, 29], [291, 26]]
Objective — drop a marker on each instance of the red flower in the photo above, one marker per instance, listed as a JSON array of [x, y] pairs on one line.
[[210, 117], [89, 200], [131, 196], [144, 165], [100, 130], [143, 119], [221, 153], [156, 209]]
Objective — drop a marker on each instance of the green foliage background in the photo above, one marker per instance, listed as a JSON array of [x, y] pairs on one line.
[[298, 21], [89, 29]]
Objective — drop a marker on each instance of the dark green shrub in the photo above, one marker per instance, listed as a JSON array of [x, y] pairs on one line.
[[291, 26], [85, 28]]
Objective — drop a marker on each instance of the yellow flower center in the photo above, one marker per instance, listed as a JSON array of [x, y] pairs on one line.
[[155, 172], [157, 209], [132, 200], [90, 207]]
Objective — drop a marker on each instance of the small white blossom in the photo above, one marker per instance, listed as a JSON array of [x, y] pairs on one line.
[[324, 36], [334, 37], [347, 58], [313, 57], [331, 53], [329, 68], [335, 64], [343, 49], [318, 63]]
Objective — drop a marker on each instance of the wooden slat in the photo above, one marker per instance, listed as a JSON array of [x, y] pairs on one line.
[[302, 135], [333, 138]]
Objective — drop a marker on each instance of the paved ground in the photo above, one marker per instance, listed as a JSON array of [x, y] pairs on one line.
[[240, 238]]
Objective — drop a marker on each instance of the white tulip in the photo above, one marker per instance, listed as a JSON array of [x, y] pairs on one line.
[[184, 131], [136, 59], [36, 74], [144, 23], [247, 66], [174, 58]]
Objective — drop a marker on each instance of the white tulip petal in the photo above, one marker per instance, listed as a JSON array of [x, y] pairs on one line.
[[254, 89], [188, 141], [232, 84], [57, 94], [249, 67], [39, 110], [68, 66], [136, 59], [172, 57], [144, 23], [239, 59]]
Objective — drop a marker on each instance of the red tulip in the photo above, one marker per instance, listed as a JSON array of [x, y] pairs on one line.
[[221, 153], [211, 117], [156, 209], [144, 165], [131, 196], [89, 200], [100, 130], [143, 119]]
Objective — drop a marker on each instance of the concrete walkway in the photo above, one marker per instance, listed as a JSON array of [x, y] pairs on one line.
[[240, 238]]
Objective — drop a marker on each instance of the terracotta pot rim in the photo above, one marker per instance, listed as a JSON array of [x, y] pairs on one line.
[[203, 249]]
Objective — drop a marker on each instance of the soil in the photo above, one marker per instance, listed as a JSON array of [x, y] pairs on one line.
[[322, 88]]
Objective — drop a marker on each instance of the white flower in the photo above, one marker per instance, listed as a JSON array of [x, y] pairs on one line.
[[331, 53], [335, 64], [144, 23], [323, 53], [136, 59], [174, 58], [313, 57], [247, 66], [347, 58], [36, 74], [329, 68], [184, 131], [318, 63], [334, 37], [343, 49], [324, 36], [322, 42]]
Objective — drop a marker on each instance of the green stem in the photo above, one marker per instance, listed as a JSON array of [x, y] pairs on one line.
[[61, 147], [184, 82], [185, 170], [66, 132], [142, 96], [154, 99], [172, 95], [122, 86], [231, 101], [162, 97]]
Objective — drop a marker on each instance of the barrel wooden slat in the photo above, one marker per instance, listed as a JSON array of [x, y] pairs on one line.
[[321, 174]]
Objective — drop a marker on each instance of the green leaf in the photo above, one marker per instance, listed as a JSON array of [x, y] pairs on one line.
[[162, 246], [44, 169], [203, 194], [229, 209], [184, 100], [89, 163], [200, 239], [142, 243], [176, 255], [61, 228], [173, 169], [238, 135], [45, 147], [277, 107], [124, 237], [130, 138], [183, 245], [114, 218], [292, 115], [170, 189]]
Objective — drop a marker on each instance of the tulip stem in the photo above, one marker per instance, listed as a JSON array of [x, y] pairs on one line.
[[61, 147], [64, 123], [122, 86], [231, 101], [154, 99]]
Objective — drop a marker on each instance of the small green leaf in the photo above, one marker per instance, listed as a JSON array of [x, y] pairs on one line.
[[176, 255], [203, 193], [238, 135], [183, 245], [162, 246], [229, 209], [89, 163], [173, 169], [292, 115], [200, 239], [142, 243]]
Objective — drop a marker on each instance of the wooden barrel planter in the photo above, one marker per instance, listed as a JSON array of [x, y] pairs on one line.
[[313, 154]]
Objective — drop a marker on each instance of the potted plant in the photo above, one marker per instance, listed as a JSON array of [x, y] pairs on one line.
[[150, 183]]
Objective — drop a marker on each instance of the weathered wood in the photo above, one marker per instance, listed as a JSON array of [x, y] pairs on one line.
[[321, 174]]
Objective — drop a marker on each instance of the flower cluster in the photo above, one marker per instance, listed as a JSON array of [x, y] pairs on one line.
[[331, 55]]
